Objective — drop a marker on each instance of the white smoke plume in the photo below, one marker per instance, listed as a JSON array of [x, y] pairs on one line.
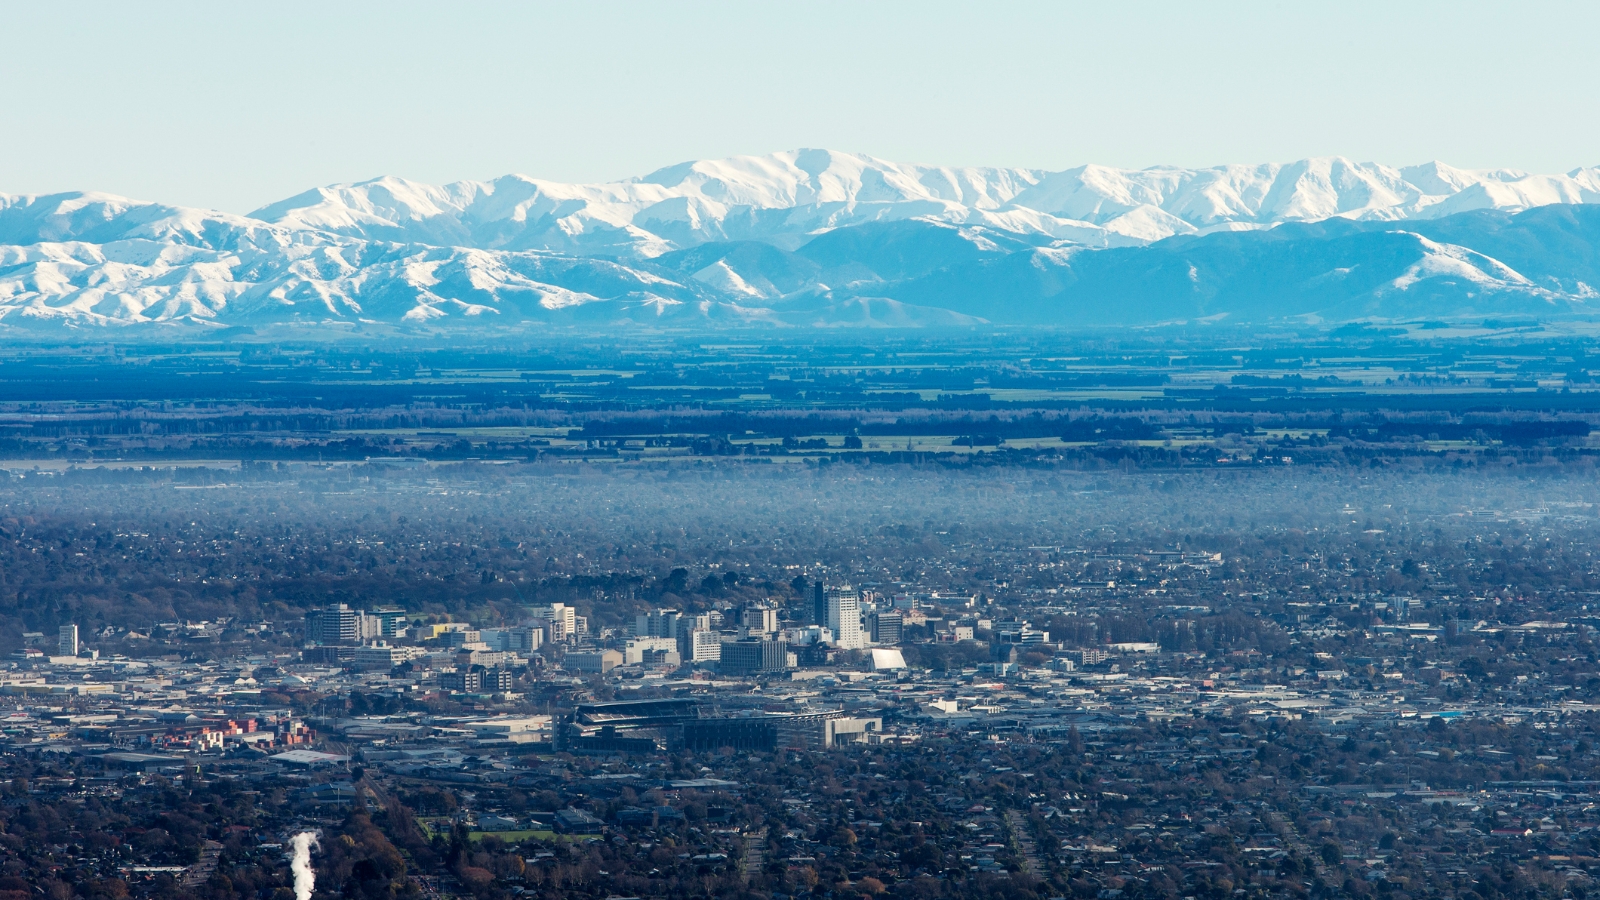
[[305, 879]]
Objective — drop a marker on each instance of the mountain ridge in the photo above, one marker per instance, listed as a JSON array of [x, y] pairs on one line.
[[783, 197], [821, 239]]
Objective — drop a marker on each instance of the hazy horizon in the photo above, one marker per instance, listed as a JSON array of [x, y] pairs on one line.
[[230, 109]]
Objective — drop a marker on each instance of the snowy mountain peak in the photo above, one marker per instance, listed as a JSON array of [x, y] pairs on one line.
[[784, 198], [804, 237], [807, 177]]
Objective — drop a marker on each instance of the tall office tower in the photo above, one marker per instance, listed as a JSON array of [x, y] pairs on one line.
[[687, 626], [390, 619], [524, 640], [559, 620], [69, 641], [819, 604], [886, 626], [844, 617], [704, 645], [658, 623], [759, 620], [336, 624]]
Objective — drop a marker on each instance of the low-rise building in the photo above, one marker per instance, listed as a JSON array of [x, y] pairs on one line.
[[592, 661]]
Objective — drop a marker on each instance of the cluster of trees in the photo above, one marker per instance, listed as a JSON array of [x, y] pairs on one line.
[[63, 838]]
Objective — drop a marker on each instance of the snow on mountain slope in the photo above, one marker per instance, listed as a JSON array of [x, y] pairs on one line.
[[102, 218], [784, 198], [141, 281], [680, 206], [385, 209], [816, 237], [815, 177], [1306, 190]]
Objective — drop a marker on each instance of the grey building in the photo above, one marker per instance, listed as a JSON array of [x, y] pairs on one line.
[[753, 657], [336, 624], [887, 626]]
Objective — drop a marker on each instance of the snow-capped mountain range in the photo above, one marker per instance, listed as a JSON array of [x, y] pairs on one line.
[[786, 198], [816, 237]]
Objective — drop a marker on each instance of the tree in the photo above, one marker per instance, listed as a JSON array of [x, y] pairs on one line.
[[677, 581]]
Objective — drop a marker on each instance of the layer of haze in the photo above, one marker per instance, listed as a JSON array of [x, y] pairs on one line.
[[235, 105]]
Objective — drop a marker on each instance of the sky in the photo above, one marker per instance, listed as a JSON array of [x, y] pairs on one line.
[[233, 105]]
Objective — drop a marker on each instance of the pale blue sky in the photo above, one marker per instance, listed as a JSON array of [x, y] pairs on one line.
[[233, 105]]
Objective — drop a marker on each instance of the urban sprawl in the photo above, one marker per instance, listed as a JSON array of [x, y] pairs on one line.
[[1102, 738]]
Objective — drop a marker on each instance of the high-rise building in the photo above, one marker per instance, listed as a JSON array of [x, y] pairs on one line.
[[687, 626], [391, 619], [886, 626], [705, 645], [559, 621], [657, 623], [335, 624], [750, 657], [819, 604], [68, 642], [759, 620], [844, 617]]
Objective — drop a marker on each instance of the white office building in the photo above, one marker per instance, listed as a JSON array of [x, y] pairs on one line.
[[759, 621], [806, 635], [705, 645], [634, 652], [559, 621], [844, 618]]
